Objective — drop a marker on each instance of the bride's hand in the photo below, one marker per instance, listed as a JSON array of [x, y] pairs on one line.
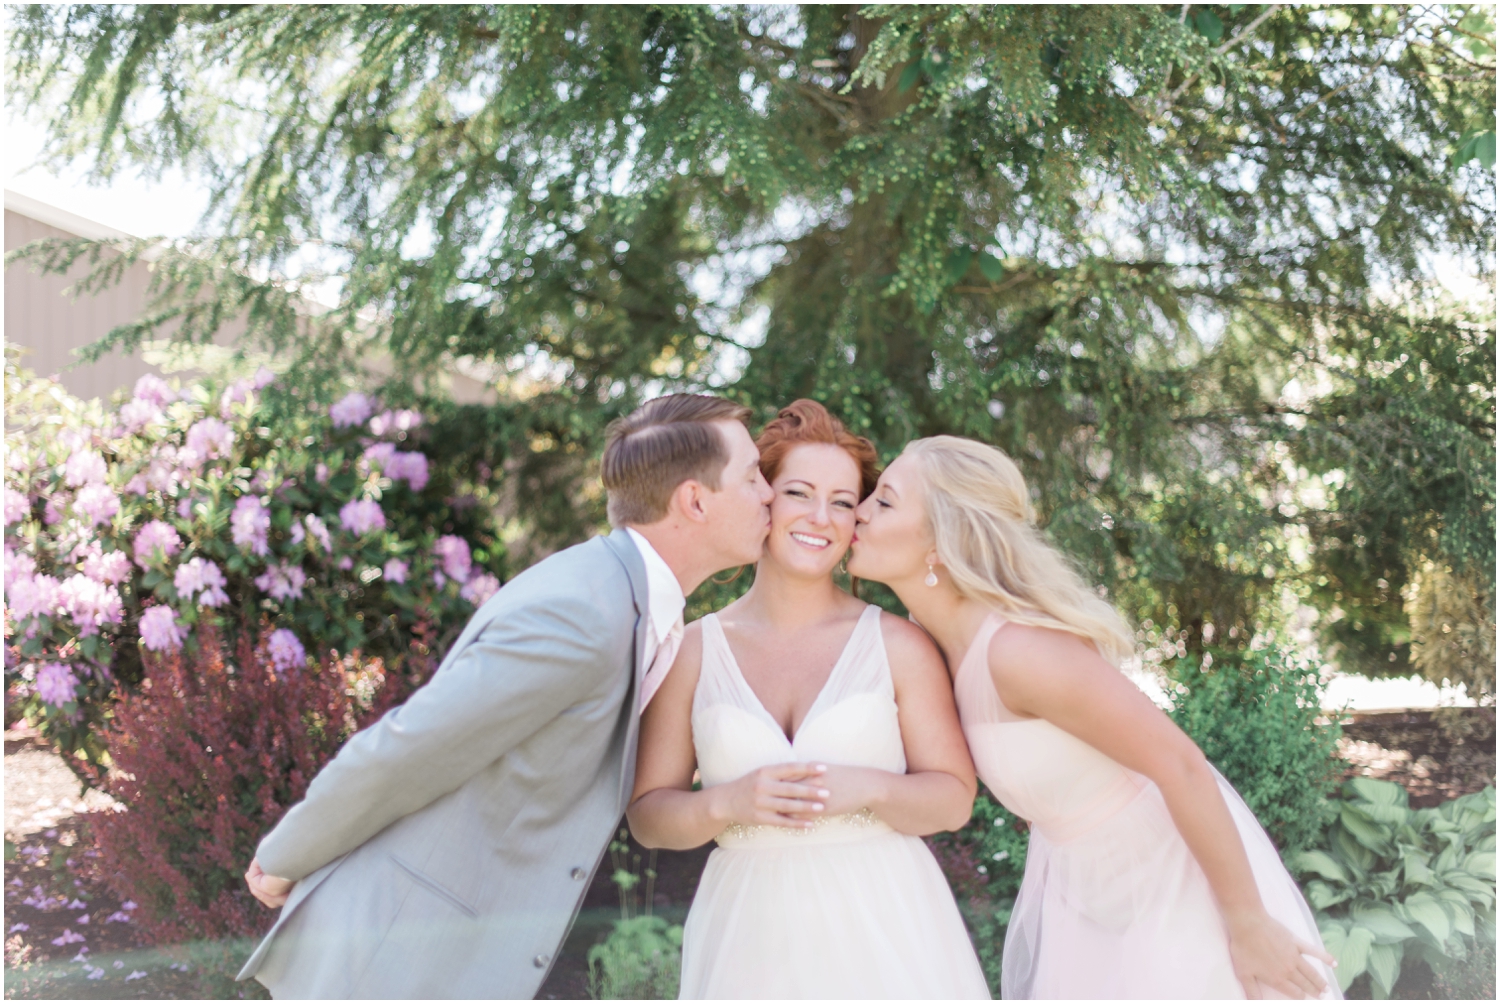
[[788, 794], [1266, 956], [851, 789]]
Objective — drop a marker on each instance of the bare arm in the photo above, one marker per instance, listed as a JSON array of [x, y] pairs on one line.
[[1057, 676], [937, 791], [665, 811]]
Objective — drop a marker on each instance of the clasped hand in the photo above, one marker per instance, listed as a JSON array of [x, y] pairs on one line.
[[269, 889], [794, 795]]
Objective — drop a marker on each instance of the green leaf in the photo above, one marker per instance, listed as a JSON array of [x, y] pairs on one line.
[[1425, 909], [957, 265], [1322, 863], [1209, 25], [1385, 965], [909, 78], [1382, 923], [1359, 826], [1476, 145], [1378, 792], [990, 267], [1414, 863], [1322, 895], [1353, 954], [1481, 863]]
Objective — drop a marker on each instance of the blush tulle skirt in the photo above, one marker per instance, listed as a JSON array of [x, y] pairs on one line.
[[1123, 911]]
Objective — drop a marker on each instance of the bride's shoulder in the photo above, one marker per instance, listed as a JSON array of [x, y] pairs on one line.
[[907, 644]]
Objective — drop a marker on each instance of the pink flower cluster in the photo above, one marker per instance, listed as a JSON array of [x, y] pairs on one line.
[[17, 505], [285, 650], [250, 524], [98, 502], [85, 467], [112, 568], [395, 570], [282, 582], [362, 516], [480, 588], [91, 604], [315, 529], [160, 631], [201, 577], [156, 542], [32, 596], [208, 438], [352, 409], [453, 552], [410, 466], [56, 684], [395, 422]]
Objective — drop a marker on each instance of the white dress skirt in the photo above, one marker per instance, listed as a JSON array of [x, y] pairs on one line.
[[849, 909]]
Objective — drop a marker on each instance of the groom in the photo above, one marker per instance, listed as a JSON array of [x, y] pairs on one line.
[[446, 849]]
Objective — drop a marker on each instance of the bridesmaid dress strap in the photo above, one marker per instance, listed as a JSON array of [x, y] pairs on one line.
[[982, 701]]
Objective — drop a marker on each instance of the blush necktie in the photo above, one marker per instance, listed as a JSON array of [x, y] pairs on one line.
[[666, 653]]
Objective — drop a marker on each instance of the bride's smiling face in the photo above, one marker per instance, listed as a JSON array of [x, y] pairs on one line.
[[812, 514]]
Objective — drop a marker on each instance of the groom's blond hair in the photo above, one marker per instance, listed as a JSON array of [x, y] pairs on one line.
[[657, 447]]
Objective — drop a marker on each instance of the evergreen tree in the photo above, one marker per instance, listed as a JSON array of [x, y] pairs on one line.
[[1178, 260]]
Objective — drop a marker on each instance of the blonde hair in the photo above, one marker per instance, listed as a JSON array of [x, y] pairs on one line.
[[986, 536]]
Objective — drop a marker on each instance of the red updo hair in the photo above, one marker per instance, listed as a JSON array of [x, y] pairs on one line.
[[806, 421]]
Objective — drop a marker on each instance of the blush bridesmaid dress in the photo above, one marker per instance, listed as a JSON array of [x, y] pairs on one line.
[[1113, 904]]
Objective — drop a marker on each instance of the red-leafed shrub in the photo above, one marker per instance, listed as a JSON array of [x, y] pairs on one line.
[[208, 755]]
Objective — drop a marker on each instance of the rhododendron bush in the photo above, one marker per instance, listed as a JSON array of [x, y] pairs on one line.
[[242, 505]]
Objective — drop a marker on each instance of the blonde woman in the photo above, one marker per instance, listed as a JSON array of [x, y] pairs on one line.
[[1147, 876]]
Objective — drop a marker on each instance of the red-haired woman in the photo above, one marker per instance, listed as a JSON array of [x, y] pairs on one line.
[[826, 738]]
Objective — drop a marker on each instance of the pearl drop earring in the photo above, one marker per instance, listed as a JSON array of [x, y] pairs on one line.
[[931, 579]]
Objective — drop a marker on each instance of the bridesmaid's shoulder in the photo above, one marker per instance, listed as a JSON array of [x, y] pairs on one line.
[[1020, 649]]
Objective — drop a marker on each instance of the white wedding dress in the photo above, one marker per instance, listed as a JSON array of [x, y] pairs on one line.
[[848, 909]]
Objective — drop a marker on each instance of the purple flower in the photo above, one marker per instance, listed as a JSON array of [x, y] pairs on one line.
[[110, 568], [395, 570], [480, 588], [345, 563], [160, 631], [395, 421], [51, 514], [137, 485], [250, 523], [85, 467], [285, 650], [282, 582], [453, 552], [154, 389], [32, 596], [56, 684], [68, 938], [17, 505], [379, 455], [156, 542], [410, 467], [201, 575], [161, 475], [264, 377], [91, 604], [318, 531], [352, 409], [210, 438], [139, 413], [17, 564], [320, 474], [361, 516], [98, 502]]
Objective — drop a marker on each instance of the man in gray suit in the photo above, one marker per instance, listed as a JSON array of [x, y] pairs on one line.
[[445, 850]]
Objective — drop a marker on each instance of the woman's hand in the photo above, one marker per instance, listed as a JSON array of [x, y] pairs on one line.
[[850, 789], [772, 796], [1267, 957]]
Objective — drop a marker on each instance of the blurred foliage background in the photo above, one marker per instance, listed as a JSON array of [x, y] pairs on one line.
[[1220, 277]]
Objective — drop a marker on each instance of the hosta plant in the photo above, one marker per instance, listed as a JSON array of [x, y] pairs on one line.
[[235, 504], [1393, 885]]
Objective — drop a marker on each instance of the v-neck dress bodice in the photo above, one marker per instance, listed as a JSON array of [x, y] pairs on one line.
[[846, 910], [1113, 904]]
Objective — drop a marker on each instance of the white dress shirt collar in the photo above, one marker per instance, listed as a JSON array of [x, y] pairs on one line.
[[664, 599]]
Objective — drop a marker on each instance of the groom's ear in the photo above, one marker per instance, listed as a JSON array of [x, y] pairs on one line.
[[688, 501]]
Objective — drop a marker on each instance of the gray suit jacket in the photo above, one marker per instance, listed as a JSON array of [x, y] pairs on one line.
[[445, 850]]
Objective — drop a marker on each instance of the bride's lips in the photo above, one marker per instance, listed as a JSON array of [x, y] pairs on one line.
[[811, 540]]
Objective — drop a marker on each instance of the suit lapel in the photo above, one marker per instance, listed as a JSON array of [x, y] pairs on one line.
[[635, 569]]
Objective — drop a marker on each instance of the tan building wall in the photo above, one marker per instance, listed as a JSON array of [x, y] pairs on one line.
[[50, 325]]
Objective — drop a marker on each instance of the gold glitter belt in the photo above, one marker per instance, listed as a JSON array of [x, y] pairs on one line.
[[827, 829]]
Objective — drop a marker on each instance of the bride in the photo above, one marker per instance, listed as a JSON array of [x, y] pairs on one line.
[[827, 742], [1147, 876]]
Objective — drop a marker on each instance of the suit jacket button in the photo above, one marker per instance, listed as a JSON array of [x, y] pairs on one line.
[[541, 961], [579, 874]]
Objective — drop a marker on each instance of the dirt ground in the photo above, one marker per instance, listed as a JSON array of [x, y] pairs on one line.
[[68, 938]]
